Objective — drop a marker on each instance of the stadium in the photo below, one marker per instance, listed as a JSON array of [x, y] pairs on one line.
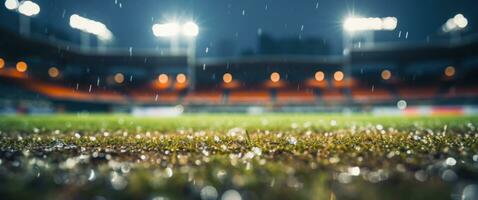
[[82, 116]]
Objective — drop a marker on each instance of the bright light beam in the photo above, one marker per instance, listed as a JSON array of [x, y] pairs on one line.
[[90, 26], [353, 24], [28, 8], [190, 29], [11, 4], [457, 23], [173, 29], [166, 30]]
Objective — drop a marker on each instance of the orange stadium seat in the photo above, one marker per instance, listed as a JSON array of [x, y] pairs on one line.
[[417, 92], [155, 97], [204, 97], [249, 97], [462, 91], [62, 92], [332, 95], [294, 96], [370, 94]]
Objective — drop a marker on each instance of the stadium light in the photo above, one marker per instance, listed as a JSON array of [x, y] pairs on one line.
[[457, 23], [163, 78], [338, 76], [28, 8], [166, 30], [190, 29], [90, 26], [21, 66], [53, 72], [181, 78], [11, 4], [386, 74], [319, 76], [449, 71], [2, 63], [275, 77], [119, 78], [173, 29], [353, 24], [227, 77]]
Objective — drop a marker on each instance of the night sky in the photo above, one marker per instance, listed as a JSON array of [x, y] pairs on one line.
[[239, 22]]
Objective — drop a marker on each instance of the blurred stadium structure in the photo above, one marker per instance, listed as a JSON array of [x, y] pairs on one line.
[[44, 76]]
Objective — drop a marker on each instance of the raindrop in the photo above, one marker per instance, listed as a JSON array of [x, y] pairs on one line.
[[470, 192], [354, 171], [231, 195], [92, 176], [450, 161], [292, 140], [449, 175], [208, 193], [402, 104]]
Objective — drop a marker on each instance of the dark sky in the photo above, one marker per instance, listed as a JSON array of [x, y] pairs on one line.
[[239, 21]]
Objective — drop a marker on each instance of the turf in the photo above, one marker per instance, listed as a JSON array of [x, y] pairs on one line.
[[280, 156]]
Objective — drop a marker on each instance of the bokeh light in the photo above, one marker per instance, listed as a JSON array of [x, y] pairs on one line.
[[319, 76], [386, 74], [181, 78], [163, 78], [227, 78], [275, 77], [53, 72], [338, 75], [21, 66], [449, 71], [2, 63], [119, 78]]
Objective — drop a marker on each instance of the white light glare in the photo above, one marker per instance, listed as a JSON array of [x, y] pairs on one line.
[[28, 8], [173, 29], [166, 30], [370, 24], [11, 4], [190, 29], [90, 26], [458, 22]]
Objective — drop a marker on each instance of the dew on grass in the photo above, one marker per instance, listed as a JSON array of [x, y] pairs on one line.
[[118, 182], [450, 161], [92, 175], [292, 140], [208, 193], [231, 195], [236, 132]]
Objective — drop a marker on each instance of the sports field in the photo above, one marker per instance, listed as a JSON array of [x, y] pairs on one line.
[[207, 156]]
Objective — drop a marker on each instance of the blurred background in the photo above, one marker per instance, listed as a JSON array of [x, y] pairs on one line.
[[165, 57]]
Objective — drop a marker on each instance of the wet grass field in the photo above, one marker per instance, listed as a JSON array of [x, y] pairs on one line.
[[203, 156]]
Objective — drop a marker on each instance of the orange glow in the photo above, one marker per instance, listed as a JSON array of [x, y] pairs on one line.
[[449, 71], [53, 72], [119, 78], [2, 63], [227, 78], [22, 66], [319, 76], [339, 76], [163, 78], [275, 77], [181, 78], [386, 74]]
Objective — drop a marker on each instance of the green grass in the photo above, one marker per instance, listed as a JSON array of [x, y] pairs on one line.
[[287, 156]]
